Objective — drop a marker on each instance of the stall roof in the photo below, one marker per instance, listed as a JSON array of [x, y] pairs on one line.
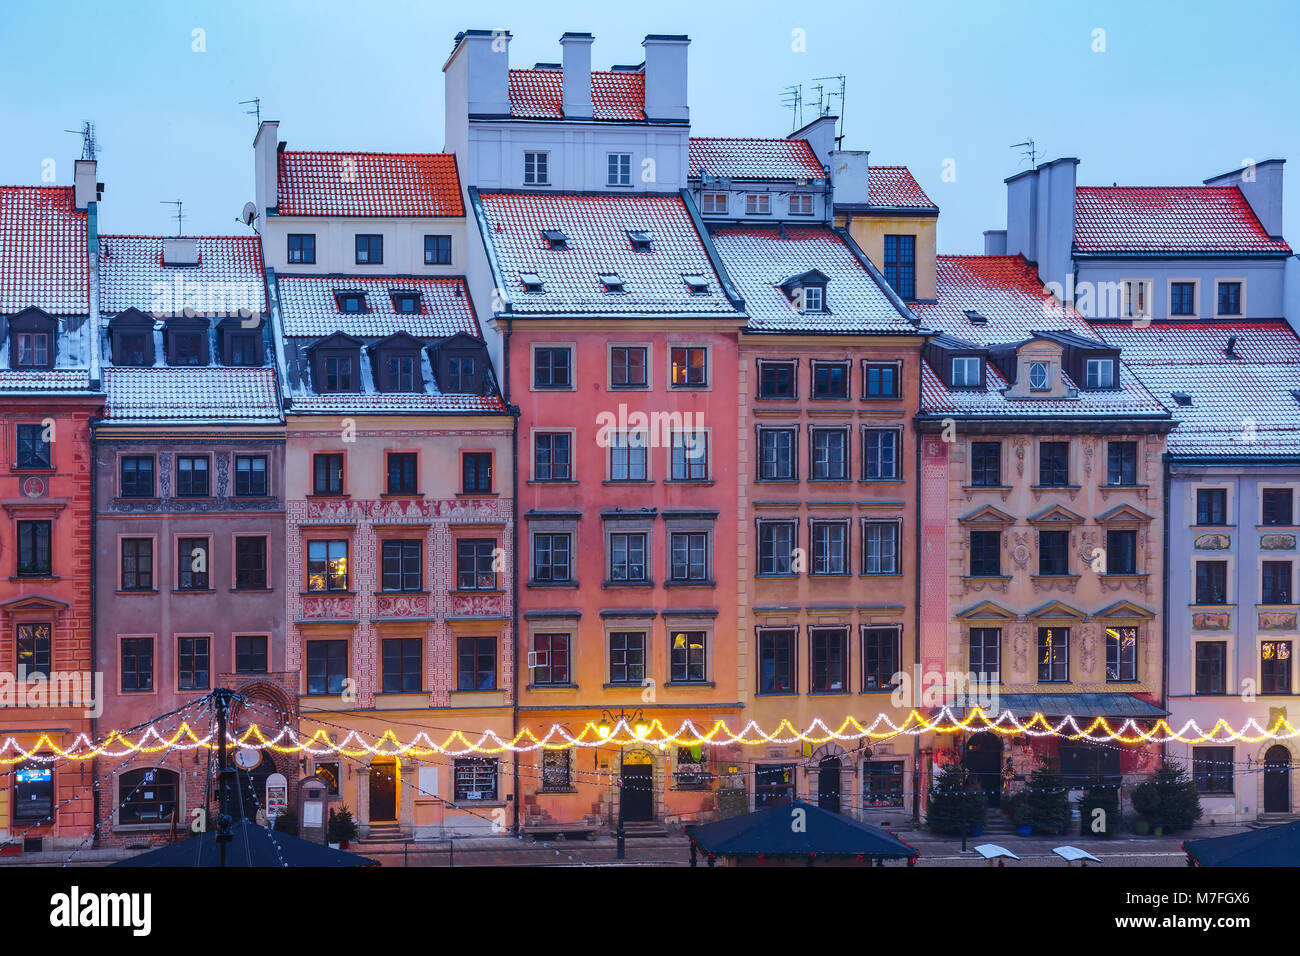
[[768, 832]]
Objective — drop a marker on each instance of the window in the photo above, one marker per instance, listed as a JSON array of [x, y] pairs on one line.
[[302, 248], [476, 472], [437, 250], [1121, 463], [830, 380], [773, 785], [327, 666], [687, 657], [1276, 506], [403, 657], [1054, 463], [250, 476], [402, 565], [475, 564], [1121, 552], [351, 303], [33, 447], [1211, 667], [250, 654], [1211, 506], [137, 477], [880, 541], [551, 558], [1182, 298], [1099, 373], [551, 456], [338, 373], [776, 661], [1212, 769], [33, 792], [192, 662], [250, 562], [776, 544], [34, 649], [640, 240], [1053, 654], [35, 558], [690, 456], [610, 282], [460, 374], [830, 546], [830, 454], [900, 265], [880, 657], [476, 777], [619, 169], [1121, 653], [689, 368], [880, 381], [688, 556], [811, 298], [133, 348], [401, 369], [986, 464], [370, 250], [531, 282], [327, 474], [1135, 299], [696, 284], [328, 774], [776, 379], [880, 454], [147, 796], [801, 204], [33, 349], [557, 770], [986, 653], [136, 659], [137, 564], [828, 660], [691, 768], [535, 169], [1229, 298], [627, 367], [192, 564], [1038, 376], [627, 456], [1276, 582], [550, 658], [1053, 552], [627, 657], [402, 472], [476, 663], [758, 204], [1275, 667], [327, 565], [882, 783], [713, 204], [985, 554], [627, 554], [192, 477], [552, 368], [776, 454], [966, 371], [1211, 582]]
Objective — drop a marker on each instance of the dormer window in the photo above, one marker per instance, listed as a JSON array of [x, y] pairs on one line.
[[814, 298], [351, 301], [696, 285], [33, 349], [405, 302], [640, 240], [531, 281], [966, 371], [401, 373], [460, 365], [339, 373], [461, 377], [336, 364], [1182, 398], [1100, 373], [611, 282], [807, 291], [1038, 376], [555, 240], [131, 335], [396, 363], [241, 346], [32, 340], [186, 342]]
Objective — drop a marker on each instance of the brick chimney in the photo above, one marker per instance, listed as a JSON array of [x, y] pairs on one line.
[[577, 75]]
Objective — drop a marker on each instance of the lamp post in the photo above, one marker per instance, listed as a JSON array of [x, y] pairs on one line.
[[609, 723], [221, 698]]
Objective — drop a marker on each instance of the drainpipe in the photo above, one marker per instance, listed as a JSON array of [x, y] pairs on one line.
[[916, 629], [1164, 636], [514, 551], [92, 322]]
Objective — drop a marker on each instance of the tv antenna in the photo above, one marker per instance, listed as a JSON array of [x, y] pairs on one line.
[[1028, 151], [87, 134], [829, 107], [180, 213], [792, 99], [256, 110]]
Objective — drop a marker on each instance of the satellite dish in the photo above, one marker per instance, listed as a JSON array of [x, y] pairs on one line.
[[250, 213]]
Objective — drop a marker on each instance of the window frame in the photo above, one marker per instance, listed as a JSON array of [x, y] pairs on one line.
[[305, 256], [371, 240], [439, 240]]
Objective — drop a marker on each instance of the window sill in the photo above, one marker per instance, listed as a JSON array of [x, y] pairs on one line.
[[252, 590], [194, 590], [777, 693], [987, 487], [776, 481], [896, 481], [877, 690], [199, 498], [778, 575], [627, 584], [1055, 577], [476, 690], [625, 685], [136, 591], [829, 693], [327, 593], [986, 577], [142, 828], [691, 584], [250, 497], [476, 591], [478, 494], [537, 584], [328, 497], [837, 574], [1055, 487], [402, 494], [881, 574], [1277, 528], [34, 577], [144, 498], [397, 591], [630, 481], [689, 683], [689, 481], [551, 481], [546, 687], [1107, 486], [1125, 576], [33, 469]]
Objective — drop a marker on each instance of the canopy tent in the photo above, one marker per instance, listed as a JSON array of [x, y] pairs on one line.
[[1271, 846], [253, 846], [796, 830]]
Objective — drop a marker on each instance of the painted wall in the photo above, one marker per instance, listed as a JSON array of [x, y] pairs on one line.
[[1263, 285], [869, 233]]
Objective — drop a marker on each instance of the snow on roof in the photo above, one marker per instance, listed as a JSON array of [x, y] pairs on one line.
[[615, 94], [1168, 219], [229, 276], [43, 251], [894, 186], [205, 394], [747, 158], [309, 306], [369, 184]]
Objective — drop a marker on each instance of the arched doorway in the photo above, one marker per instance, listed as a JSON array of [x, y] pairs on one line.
[[246, 790], [383, 790], [982, 759], [828, 784], [638, 787], [1277, 780]]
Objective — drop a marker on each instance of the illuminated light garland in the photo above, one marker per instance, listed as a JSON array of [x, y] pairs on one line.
[[652, 732]]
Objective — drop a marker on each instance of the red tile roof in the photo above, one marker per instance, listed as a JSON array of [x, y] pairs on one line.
[[43, 253], [615, 95], [59, 380], [1168, 219], [895, 186], [369, 184], [308, 306], [228, 278], [200, 394], [754, 158], [380, 402], [597, 227]]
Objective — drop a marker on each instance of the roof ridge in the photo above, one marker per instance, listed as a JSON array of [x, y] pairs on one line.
[[356, 152]]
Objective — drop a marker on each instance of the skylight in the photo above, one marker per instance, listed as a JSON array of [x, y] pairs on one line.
[[698, 285], [532, 281], [977, 318], [555, 239], [611, 281], [640, 240], [1182, 398]]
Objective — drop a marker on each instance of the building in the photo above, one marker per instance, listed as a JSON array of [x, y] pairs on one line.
[[892, 220]]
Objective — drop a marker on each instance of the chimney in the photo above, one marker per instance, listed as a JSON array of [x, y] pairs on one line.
[[1040, 217], [180, 252], [849, 177], [820, 135], [84, 188], [665, 77], [577, 75], [478, 72], [995, 242], [266, 167], [1261, 184]]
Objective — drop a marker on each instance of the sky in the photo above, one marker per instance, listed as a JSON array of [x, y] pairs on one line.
[[1141, 92]]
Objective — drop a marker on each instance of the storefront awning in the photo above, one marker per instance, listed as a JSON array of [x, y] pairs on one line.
[[1024, 706]]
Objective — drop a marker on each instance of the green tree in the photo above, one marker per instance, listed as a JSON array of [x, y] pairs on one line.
[[953, 802], [1169, 799], [1047, 800]]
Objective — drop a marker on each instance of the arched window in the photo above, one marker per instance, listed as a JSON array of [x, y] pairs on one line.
[[148, 796]]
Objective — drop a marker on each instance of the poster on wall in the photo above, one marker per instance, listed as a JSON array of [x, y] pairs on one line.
[[277, 796]]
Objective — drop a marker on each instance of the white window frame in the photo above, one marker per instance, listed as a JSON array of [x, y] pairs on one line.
[[544, 164], [964, 359], [763, 200], [618, 169]]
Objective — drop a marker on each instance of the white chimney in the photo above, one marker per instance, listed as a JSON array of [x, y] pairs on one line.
[[849, 176], [266, 167], [84, 188], [577, 75], [1261, 184], [180, 252], [480, 67], [665, 77]]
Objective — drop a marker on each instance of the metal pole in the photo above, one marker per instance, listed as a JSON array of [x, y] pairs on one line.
[[221, 698]]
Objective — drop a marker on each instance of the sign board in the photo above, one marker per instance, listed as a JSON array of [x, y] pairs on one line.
[[311, 813], [428, 783], [277, 795]]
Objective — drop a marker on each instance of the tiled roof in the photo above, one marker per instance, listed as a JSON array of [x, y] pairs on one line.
[[754, 158], [229, 276], [50, 380], [597, 227], [1168, 219], [201, 394], [894, 186], [381, 402], [1240, 404], [1130, 399], [43, 257], [369, 184], [759, 260], [308, 306], [615, 95]]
